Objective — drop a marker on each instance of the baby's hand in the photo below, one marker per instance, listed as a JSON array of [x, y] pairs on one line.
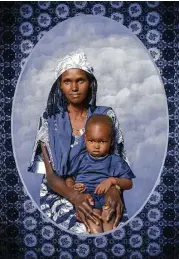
[[80, 187], [103, 187]]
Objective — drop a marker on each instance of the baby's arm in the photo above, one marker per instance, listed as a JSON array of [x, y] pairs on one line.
[[121, 176], [123, 183]]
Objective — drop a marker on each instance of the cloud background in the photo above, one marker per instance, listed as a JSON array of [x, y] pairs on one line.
[[127, 80]]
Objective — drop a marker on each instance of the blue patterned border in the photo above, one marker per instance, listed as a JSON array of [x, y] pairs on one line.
[[24, 233]]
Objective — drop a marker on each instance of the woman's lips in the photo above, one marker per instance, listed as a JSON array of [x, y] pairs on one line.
[[75, 95]]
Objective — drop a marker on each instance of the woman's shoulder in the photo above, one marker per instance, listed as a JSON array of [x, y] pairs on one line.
[[107, 110], [44, 115], [103, 109]]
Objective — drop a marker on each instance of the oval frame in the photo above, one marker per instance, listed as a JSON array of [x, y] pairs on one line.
[[106, 22]]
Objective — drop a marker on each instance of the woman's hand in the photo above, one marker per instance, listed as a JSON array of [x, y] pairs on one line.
[[83, 203], [69, 182], [114, 205]]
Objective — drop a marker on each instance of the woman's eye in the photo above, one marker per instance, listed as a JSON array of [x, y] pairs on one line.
[[67, 82], [81, 81]]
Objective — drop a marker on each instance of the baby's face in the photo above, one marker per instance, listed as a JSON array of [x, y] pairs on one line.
[[98, 139]]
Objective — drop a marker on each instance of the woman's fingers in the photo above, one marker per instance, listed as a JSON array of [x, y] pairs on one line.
[[89, 213], [111, 214], [81, 218], [118, 216], [84, 221], [86, 225], [90, 199], [78, 217], [106, 189]]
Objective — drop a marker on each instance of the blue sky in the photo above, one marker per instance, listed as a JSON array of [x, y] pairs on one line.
[[127, 80]]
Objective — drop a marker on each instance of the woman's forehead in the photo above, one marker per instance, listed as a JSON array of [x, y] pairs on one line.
[[73, 72]]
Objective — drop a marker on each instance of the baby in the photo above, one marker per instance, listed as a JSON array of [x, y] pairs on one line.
[[96, 169]]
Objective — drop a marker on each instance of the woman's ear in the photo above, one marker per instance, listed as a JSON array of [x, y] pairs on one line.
[[112, 142], [59, 84]]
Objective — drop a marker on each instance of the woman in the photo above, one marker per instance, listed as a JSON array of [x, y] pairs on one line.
[[71, 101]]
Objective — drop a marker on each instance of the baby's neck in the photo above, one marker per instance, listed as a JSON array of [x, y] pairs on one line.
[[98, 157]]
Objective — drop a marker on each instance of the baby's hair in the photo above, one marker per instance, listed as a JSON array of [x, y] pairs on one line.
[[97, 119]]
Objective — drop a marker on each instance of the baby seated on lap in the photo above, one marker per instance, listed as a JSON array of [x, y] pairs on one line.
[[96, 169]]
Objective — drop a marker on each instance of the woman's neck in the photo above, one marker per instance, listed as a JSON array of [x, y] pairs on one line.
[[77, 110]]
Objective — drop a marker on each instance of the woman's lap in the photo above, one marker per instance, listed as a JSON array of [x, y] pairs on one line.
[[61, 211]]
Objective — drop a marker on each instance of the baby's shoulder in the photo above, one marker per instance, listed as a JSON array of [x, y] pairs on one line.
[[116, 159], [82, 155]]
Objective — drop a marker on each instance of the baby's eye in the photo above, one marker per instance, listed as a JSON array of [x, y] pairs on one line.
[[103, 142]]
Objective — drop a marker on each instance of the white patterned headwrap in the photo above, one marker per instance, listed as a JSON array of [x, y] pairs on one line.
[[78, 60]]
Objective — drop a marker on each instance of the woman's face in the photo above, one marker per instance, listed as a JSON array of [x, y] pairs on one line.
[[75, 85]]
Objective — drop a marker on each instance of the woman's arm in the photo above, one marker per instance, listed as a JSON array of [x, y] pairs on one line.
[[70, 181], [82, 202], [56, 183]]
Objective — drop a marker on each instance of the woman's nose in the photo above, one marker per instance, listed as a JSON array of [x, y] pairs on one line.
[[74, 87]]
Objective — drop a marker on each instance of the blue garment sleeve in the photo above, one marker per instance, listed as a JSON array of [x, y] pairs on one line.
[[37, 164], [74, 164], [122, 170]]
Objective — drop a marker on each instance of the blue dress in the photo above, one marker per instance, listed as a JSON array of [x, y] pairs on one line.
[[56, 207], [92, 171]]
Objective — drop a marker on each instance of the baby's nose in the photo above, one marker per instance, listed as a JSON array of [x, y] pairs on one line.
[[96, 145]]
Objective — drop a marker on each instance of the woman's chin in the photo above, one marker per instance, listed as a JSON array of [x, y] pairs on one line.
[[77, 102]]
